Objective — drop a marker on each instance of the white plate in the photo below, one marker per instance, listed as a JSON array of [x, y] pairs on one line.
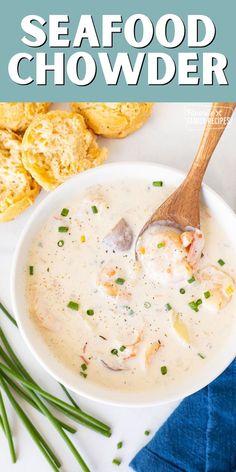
[[108, 173]]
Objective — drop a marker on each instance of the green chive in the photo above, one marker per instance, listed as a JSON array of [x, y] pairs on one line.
[[221, 262], [64, 212], [201, 355], [120, 445], [147, 432], [114, 352], [199, 302], [120, 281], [193, 306], [63, 229], [83, 375], [147, 305], [116, 461], [90, 312], [162, 244], [60, 243], [207, 294], [122, 348], [190, 281], [31, 270], [84, 366], [163, 369], [73, 305], [168, 307], [182, 291], [94, 209], [157, 183]]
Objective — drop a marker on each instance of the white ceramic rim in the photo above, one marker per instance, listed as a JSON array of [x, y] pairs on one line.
[[109, 172]]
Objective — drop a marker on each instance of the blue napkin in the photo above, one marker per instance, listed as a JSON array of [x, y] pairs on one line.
[[200, 436]]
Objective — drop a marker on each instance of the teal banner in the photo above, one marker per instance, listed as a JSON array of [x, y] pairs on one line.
[[131, 50]]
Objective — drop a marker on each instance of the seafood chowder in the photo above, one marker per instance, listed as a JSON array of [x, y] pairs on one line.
[[124, 323]]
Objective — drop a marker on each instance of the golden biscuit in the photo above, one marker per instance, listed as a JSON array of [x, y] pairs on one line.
[[17, 115], [17, 188], [114, 120], [58, 145]]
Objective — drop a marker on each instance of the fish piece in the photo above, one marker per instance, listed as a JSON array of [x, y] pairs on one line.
[[121, 236]]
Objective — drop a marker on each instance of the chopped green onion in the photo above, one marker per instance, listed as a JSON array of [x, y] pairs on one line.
[[31, 270], [73, 305], [60, 243], [114, 352], [193, 306], [116, 461], [147, 305], [163, 369], [83, 375], [182, 291], [190, 281], [157, 183], [162, 244], [122, 348], [147, 432], [199, 302], [221, 262], [94, 209], [168, 307], [120, 281], [201, 355], [120, 445], [207, 294], [90, 312], [63, 229], [64, 212], [84, 366]]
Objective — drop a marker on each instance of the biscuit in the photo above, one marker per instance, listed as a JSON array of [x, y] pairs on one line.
[[18, 115], [58, 145], [114, 120], [17, 188]]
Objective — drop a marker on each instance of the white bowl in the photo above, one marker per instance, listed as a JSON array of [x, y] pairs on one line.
[[104, 174]]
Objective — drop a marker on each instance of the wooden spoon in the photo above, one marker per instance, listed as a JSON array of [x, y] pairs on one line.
[[182, 208]]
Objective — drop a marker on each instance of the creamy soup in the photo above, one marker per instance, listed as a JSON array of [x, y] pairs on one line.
[[130, 324]]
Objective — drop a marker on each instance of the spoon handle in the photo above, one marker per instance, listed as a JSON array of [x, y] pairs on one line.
[[218, 119]]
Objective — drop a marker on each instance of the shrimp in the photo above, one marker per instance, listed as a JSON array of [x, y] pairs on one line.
[[112, 281], [218, 285], [151, 351], [194, 242]]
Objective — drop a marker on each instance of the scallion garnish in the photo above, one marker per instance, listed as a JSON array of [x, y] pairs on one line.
[[63, 229], [199, 301], [168, 307], [60, 243], [31, 270], [122, 348], [182, 291], [120, 281], [147, 432], [207, 294], [94, 209], [160, 245], [64, 212], [147, 305], [119, 444], [84, 366], [163, 369], [114, 352], [157, 183], [73, 305], [83, 375], [116, 461], [201, 355], [190, 281], [221, 262], [90, 312], [193, 306]]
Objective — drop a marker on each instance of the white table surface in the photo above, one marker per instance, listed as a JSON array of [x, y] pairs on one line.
[[168, 138]]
